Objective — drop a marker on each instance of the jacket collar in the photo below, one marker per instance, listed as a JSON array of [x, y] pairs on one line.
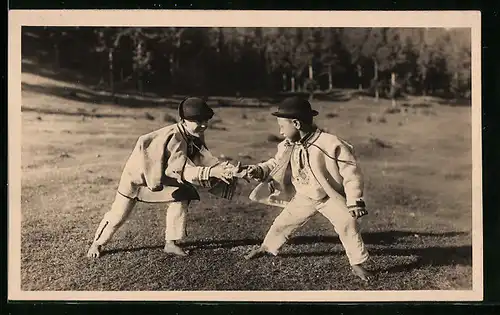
[[308, 139], [189, 138], [186, 134]]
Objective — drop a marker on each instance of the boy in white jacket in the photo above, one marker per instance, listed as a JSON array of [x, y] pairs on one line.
[[312, 172], [166, 166]]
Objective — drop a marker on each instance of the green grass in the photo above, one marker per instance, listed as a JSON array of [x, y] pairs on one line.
[[418, 191]]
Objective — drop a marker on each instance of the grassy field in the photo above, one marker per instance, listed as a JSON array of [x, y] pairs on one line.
[[418, 172]]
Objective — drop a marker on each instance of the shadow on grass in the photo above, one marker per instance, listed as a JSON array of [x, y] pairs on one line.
[[135, 101], [47, 71], [426, 256], [95, 97]]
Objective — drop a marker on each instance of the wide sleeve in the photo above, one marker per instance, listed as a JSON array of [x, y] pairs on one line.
[[268, 166], [180, 167], [349, 169], [153, 155]]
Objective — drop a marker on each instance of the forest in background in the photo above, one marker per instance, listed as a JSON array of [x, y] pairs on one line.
[[383, 62]]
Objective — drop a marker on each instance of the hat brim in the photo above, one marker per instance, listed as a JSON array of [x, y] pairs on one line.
[[199, 117], [292, 115]]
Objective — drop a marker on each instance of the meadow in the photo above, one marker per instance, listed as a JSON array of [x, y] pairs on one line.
[[416, 159]]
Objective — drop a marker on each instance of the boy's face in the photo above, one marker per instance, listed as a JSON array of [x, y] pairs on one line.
[[196, 128], [289, 128]]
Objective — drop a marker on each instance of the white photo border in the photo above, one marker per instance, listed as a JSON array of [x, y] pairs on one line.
[[233, 18]]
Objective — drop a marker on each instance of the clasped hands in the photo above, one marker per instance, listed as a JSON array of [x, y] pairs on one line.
[[225, 171]]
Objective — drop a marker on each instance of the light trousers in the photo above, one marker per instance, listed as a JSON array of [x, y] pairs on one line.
[[301, 209], [123, 206]]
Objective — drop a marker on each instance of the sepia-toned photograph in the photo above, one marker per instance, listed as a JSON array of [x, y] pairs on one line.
[[245, 159]]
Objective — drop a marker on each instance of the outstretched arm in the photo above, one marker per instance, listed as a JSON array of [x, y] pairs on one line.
[[179, 166], [262, 170]]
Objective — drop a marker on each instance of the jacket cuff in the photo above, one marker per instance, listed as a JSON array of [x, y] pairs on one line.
[[263, 171], [204, 176], [357, 203]]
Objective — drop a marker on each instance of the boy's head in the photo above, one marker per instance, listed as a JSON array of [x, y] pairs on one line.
[[195, 114], [294, 114], [290, 127]]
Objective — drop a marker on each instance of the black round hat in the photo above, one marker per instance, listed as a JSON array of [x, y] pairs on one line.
[[194, 108], [295, 107]]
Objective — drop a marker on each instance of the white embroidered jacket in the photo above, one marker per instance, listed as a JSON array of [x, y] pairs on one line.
[[159, 169], [332, 162]]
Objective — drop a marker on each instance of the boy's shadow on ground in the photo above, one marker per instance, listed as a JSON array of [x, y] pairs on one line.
[[425, 256]]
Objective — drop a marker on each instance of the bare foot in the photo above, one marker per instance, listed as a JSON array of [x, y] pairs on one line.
[[256, 253], [174, 249], [361, 272], [94, 251]]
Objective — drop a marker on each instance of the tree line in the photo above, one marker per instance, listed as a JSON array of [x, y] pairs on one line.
[[243, 61]]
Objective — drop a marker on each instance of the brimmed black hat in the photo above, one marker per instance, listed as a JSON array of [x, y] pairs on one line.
[[196, 109], [295, 107]]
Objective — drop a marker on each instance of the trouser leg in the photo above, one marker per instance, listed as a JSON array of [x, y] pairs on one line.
[[347, 228], [293, 216], [113, 219], [176, 221]]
